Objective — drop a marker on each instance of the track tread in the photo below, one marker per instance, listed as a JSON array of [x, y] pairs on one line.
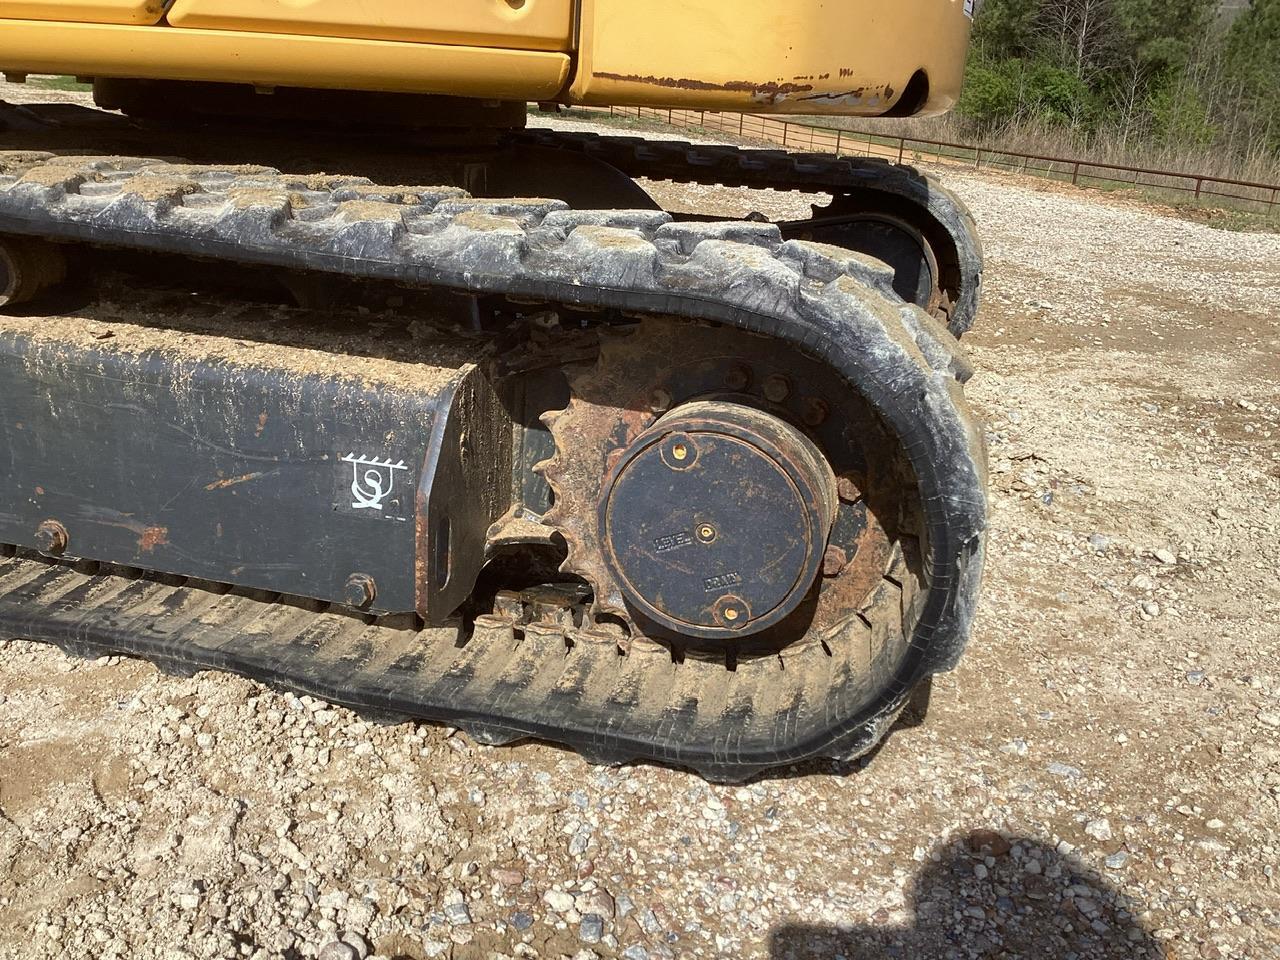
[[803, 294]]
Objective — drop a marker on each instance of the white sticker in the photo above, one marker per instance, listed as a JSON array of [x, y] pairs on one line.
[[371, 480], [968, 9]]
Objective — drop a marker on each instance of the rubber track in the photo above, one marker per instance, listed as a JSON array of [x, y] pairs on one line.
[[683, 162], [824, 301]]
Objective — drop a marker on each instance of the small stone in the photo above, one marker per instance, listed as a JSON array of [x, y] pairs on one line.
[[337, 950], [1269, 719], [1165, 556], [1151, 608], [1099, 829], [1117, 860], [990, 841], [980, 871], [649, 922], [1214, 824], [597, 901], [1064, 770], [558, 900], [1098, 543], [591, 929], [1016, 747], [507, 877], [521, 921], [457, 914], [1032, 866], [1143, 582], [358, 942], [635, 952]]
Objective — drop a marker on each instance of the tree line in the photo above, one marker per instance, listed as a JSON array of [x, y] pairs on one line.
[[1140, 73]]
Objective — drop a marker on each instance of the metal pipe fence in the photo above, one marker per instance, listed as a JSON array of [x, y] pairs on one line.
[[1241, 194]]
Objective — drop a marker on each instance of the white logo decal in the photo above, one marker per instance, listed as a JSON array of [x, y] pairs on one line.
[[372, 486]]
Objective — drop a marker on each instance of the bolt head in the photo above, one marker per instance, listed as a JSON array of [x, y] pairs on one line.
[[360, 591], [660, 401], [834, 560], [738, 378], [732, 612], [815, 412], [777, 388], [51, 538]]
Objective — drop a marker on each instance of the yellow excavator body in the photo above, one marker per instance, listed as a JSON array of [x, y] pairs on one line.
[[809, 57]]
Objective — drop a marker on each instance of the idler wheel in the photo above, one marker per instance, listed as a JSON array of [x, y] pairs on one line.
[[715, 519]]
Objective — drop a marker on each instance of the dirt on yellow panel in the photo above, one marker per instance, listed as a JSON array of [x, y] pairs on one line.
[[531, 25], [86, 11]]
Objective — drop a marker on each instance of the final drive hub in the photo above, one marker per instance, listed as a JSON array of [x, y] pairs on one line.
[[715, 519]]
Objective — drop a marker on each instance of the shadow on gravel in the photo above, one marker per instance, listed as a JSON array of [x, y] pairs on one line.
[[989, 896]]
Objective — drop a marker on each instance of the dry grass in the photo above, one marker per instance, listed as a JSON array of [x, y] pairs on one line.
[[1103, 147]]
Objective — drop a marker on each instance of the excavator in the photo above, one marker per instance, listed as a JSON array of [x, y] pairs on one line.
[[322, 364]]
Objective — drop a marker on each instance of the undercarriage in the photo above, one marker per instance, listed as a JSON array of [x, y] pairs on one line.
[[697, 491]]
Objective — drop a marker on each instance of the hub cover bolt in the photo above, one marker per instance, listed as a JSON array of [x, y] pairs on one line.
[[706, 532], [733, 612], [777, 388], [360, 590], [51, 538]]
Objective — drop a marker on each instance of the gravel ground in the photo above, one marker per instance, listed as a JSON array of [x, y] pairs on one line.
[[1099, 778]]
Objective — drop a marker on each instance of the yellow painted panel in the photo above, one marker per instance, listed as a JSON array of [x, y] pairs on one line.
[[528, 25], [85, 11], [268, 59], [852, 57]]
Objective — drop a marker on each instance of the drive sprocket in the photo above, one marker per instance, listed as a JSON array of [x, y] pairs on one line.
[[648, 373]]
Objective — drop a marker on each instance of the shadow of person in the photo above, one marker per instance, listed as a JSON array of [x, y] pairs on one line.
[[985, 895]]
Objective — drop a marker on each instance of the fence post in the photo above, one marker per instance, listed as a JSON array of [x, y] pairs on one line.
[[837, 143], [902, 146], [1199, 184], [1075, 174], [977, 158], [742, 118], [785, 126], [1272, 202]]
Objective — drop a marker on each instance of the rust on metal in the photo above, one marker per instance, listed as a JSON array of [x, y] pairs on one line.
[[153, 537], [51, 538], [233, 481], [611, 407], [763, 92], [834, 560]]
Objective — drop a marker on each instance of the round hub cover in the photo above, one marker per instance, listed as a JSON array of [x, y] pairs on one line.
[[716, 518]]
